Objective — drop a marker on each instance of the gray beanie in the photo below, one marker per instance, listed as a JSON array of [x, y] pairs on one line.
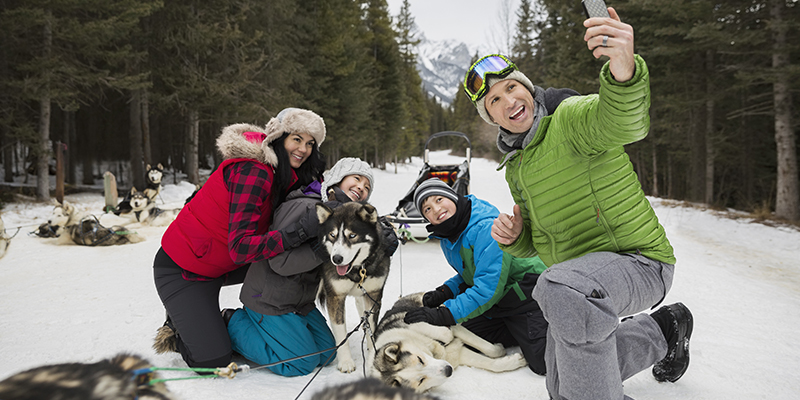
[[344, 167], [433, 187], [491, 80]]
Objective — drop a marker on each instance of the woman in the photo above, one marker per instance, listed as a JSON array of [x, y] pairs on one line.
[[224, 228]]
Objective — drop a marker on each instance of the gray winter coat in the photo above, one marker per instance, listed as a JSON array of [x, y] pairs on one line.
[[288, 282]]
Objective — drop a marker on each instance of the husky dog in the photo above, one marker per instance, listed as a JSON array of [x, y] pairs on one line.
[[154, 176], [144, 210], [109, 379], [151, 190], [350, 237], [86, 230], [421, 356], [369, 389]]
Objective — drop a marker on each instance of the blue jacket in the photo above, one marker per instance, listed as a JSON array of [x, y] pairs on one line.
[[486, 271]]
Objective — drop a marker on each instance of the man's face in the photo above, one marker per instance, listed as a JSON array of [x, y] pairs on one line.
[[510, 104]]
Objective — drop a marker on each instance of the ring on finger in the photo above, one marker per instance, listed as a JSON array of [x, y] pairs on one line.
[[605, 41]]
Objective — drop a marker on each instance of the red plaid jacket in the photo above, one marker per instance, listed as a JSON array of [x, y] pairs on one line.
[[225, 225]]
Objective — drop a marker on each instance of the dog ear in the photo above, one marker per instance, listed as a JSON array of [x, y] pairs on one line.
[[368, 213], [391, 352], [323, 212], [147, 168], [133, 189], [160, 167]]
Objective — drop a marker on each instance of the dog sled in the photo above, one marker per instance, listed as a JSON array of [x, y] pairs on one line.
[[406, 218]]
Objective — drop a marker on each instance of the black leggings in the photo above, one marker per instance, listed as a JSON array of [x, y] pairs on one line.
[[193, 307], [527, 330]]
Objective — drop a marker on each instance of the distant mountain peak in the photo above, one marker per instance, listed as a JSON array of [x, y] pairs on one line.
[[442, 65]]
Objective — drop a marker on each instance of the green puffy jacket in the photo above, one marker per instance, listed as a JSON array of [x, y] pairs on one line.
[[575, 184]]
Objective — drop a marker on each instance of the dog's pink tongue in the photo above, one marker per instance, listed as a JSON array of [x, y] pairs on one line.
[[342, 269]]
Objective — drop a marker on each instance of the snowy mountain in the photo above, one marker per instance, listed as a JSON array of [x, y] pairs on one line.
[[442, 65]]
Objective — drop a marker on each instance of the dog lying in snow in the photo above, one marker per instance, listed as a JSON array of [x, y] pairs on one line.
[[421, 356], [72, 226], [144, 210]]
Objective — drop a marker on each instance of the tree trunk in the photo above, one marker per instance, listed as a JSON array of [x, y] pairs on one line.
[[696, 178], [71, 155], [8, 159], [87, 156], [43, 173], [135, 136], [192, 139], [145, 101], [655, 170], [787, 200], [710, 148]]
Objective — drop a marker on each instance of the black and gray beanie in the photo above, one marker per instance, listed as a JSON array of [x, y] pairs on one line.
[[433, 187], [344, 167], [492, 80]]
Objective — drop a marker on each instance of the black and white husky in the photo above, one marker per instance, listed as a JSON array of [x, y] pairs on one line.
[[421, 356], [356, 251], [154, 176], [144, 210], [72, 226], [124, 376]]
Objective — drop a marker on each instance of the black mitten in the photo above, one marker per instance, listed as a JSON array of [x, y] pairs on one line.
[[435, 316], [389, 236], [435, 298], [307, 227]]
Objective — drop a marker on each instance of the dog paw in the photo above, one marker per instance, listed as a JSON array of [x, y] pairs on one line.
[[347, 366], [496, 350], [511, 362]]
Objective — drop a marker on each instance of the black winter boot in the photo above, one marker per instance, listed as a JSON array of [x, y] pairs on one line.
[[227, 314], [676, 323]]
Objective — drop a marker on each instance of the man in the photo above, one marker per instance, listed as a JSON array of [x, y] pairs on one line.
[[579, 207]]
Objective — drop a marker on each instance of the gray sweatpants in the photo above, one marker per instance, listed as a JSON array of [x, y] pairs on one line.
[[589, 351]]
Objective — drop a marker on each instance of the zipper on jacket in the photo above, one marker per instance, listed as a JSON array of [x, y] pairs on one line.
[[600, 219], [534, 221]]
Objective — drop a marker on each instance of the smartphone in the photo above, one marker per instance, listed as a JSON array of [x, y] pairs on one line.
[[595, 8]]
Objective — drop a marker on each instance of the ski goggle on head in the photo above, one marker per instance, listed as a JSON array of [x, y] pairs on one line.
[[475, 80]]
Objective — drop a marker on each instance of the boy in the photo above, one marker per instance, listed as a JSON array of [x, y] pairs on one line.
[[490, 295]]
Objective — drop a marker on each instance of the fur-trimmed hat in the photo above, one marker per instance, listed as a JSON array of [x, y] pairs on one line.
[[344, 167], [492, 80], [296, 120], [433, 187], [251, 141]]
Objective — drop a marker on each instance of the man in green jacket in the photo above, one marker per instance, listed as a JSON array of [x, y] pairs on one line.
[[579, 207]]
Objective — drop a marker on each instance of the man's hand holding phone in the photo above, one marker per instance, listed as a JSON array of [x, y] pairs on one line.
[[609, 36]]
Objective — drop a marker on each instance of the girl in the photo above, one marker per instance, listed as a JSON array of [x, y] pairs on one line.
[[279, 319]]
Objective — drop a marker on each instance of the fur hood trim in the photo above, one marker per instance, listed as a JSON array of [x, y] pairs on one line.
[[233, 144]]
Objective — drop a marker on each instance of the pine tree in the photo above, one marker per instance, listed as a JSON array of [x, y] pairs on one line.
[[416, 124], [522, 53]]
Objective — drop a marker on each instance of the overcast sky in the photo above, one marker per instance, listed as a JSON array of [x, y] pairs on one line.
[[474, 22]]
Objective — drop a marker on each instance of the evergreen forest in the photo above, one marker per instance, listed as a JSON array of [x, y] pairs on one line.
[[130, 83]]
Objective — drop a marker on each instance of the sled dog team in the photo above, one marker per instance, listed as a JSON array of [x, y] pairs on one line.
[[565, 277]]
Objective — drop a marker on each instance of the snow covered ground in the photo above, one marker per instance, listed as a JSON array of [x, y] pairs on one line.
[[82, 304]]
